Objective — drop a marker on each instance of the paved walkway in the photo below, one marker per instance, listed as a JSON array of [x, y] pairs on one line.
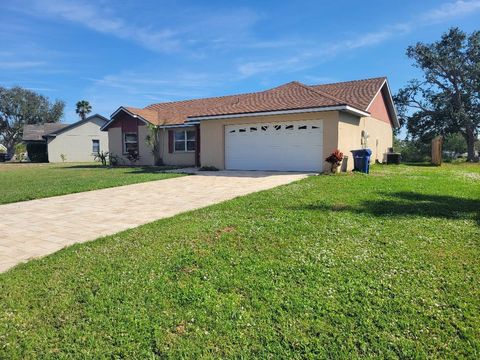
[[40, 227]]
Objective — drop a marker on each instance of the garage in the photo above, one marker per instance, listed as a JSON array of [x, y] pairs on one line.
[[276, 146]]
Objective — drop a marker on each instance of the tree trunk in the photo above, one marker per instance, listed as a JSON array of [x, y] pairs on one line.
[[470, 138]]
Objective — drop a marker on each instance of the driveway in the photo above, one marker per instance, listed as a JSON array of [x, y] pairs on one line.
[[40, 227]]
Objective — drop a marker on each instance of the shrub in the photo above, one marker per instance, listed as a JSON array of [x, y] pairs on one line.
[[102, 156], [335, 159], [208, 168], [133, 156], [113, 160], [20, 150]]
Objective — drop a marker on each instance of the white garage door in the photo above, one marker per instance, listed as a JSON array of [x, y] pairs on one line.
[[282, 146]]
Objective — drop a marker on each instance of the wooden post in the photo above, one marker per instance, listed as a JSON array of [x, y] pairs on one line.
[[437, 150]]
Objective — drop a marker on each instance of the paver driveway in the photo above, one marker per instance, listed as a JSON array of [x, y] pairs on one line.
[[40, 227]]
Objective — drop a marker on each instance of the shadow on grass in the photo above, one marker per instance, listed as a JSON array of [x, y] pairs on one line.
[[411, 204], [92, 166], [129, 169]]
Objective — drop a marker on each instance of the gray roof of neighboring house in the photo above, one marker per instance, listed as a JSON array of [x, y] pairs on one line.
[[75, 124], [35, 132]]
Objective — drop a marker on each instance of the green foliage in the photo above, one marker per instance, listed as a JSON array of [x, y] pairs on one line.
[[455, 143], [447, 100], [413, 150], [37, 152], [114, 160], [63, 157], [36, 181], [83, 109], [20, 148], [19, 107], [153, 141], [381, 266], [133, 156], [102, 156]]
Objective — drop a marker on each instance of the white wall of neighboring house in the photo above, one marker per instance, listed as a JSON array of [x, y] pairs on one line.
[[76, 143]]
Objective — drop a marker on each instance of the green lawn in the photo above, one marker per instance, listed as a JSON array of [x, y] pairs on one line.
[[385, 265], [19, 182]]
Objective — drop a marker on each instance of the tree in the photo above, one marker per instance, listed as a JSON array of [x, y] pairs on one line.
[[83, 109], [455, 143], [447, 100], [19, 107], [153, 140]]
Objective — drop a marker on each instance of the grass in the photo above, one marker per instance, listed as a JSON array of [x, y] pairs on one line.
[[20, 182], [348, 266]]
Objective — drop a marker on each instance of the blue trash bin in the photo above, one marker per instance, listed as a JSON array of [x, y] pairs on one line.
[[361, 160]]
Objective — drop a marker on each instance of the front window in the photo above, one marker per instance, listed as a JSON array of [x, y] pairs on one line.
[[130, 142], [184, 140], [95, 146]]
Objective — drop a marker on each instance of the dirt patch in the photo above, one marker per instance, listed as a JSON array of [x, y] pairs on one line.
[[225, 230]]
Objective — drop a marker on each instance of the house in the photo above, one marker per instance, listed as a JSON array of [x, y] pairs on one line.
[[3, 148], [33, 137], [292, 127], [78, 142]]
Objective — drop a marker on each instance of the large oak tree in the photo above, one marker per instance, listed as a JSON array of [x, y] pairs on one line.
[[18, 107], [447, 99]]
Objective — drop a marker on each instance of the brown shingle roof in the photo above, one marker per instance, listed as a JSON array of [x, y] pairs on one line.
[[35, 132], [293, 95], [359, 92]]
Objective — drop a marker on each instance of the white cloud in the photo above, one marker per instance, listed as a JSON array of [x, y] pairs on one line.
[[255, 67], [188, 30], [20, 64], [451, 10], [327, 51], [103, 20]]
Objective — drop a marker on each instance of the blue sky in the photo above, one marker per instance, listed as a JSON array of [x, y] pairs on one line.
[[135, 53]]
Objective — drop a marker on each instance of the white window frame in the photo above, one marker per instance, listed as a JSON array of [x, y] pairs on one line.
[[185, 141], [95, 141], [129, 142]]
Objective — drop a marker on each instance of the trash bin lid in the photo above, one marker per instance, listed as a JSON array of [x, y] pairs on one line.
[[361, 152]]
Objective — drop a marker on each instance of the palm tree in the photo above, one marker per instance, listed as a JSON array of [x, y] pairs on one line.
[[83, 109]]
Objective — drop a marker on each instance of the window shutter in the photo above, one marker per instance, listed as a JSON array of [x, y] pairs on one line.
[[170, 141]]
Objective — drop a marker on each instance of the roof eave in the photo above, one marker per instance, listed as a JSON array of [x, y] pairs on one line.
[[345, 108]]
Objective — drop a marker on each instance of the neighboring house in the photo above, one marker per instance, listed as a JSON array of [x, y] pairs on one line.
[[33, 137], [3, 148], [78, 142], [293, 127]]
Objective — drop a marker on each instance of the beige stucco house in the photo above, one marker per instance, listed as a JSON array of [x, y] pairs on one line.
[[293, 127], [78, 142]]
